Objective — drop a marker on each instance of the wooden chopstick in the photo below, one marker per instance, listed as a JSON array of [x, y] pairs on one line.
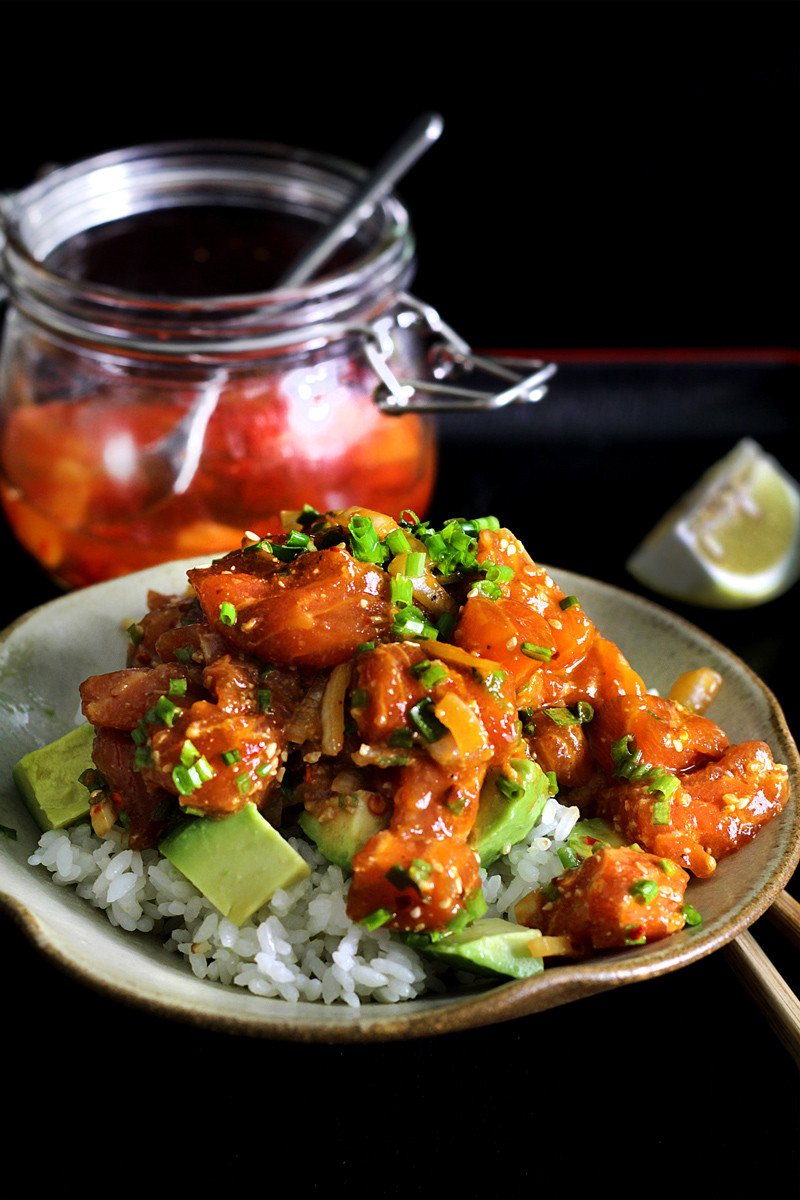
[[764, 983]]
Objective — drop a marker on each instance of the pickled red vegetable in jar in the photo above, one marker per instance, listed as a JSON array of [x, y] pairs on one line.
[[160, 396]]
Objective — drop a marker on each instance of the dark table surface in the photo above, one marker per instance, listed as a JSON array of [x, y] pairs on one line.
[[676, 1077]]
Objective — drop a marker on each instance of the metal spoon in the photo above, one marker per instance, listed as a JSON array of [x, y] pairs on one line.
[[395, 163], [180, 450]]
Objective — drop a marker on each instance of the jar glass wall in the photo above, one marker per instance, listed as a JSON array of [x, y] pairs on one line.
[[148, 409]]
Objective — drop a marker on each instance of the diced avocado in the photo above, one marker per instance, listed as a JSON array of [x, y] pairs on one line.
[[508, 809], [48, 779], [346, 832], [238, 862], [591, 832], [491, 946]]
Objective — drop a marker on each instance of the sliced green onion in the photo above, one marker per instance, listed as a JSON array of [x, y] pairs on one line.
[[569, 602], [402, 590], [660, 813], [244, 784], [375, 919], [307, 515], [189, 753], [177, 687], [561, 716], [229, 757], [568, 858], [264, 700], [183, 654], [359, 698], [446, 624], [401, 737], [429, 673], [142, 757], [365, 545], [415, 565], [645, 890], [509, 788], [584, 711], [166, 710], [422, 717], [492, 591], [497, 572], [397, 542], [690, 915], [135, 633], [542, 653], [227, 613], [409, 623], [364, 647]]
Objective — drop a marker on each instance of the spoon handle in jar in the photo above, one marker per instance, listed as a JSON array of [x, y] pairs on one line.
[[420, 135]]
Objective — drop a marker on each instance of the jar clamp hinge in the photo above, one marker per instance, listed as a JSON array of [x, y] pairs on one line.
[[450, 358]]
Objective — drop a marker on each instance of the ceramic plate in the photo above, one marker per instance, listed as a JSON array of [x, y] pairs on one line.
[[47, 653]]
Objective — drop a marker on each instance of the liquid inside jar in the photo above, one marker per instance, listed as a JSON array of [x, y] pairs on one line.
[[106, 469], [195, 251]]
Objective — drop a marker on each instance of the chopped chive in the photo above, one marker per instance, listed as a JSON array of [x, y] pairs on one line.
[[446, 624], [429, 673], [142, 757], [644, 890], [166, 711], [510, 788], [561, 716], [189, 754], [307, 515], [410, 623], [375, 919], [402, 590], [365, 545], [227, 613], [415, 565], [660, 813], [542, 653], [568, 858], [487, 588], [497, 572], [397, 542], [421, 715]]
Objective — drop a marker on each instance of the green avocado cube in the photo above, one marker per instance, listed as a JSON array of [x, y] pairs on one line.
[[48, 779], [490, 946], [346, 832], [508, 809], [238, 862]]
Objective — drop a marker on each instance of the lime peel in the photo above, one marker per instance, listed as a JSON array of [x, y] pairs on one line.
[[733, 541]]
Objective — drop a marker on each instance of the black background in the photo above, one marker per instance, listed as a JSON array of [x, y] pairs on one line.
[[612, 176]]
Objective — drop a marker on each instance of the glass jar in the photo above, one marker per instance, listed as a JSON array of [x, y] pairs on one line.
[[161, 394]]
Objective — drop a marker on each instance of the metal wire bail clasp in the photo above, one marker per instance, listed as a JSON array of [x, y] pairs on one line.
[[451, 358]]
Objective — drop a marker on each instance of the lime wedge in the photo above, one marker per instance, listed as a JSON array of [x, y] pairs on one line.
[[733, 541]]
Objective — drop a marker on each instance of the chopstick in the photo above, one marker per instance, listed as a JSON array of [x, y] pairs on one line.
[[764, 983]]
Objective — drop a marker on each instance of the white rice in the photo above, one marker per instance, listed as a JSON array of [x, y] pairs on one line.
[[299, 946]]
